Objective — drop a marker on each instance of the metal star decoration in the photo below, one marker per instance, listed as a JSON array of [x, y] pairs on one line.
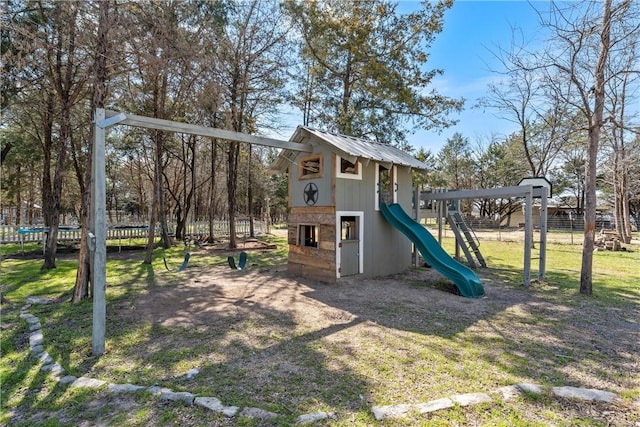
[[311, 194]]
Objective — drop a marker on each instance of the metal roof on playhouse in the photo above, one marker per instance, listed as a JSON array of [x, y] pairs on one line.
[[350, 148]]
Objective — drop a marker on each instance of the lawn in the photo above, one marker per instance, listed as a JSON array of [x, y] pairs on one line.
[[262, 339]]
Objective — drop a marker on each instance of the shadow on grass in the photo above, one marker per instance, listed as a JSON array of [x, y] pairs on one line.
[[66, 329], [251, 352], [547, 333], [248, 352]]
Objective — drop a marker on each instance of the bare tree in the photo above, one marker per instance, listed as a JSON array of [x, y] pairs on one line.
[[622, 91], [578, 43], [536, 106], [99, 75], [575, 65], [252, 58]]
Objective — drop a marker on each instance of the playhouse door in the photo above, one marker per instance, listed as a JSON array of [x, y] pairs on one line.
[[349, 246]]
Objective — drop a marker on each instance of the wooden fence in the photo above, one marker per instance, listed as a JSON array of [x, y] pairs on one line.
[[16, 234]]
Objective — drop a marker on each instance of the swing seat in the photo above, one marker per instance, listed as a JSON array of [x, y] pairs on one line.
[[185, 262], [241, 263], [182, 267], [243, 260], [232, 263]]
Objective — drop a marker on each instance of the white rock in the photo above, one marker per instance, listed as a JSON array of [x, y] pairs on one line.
[[312, 417], [230, 411], [192, 373], [179, 396], [44, 357], [210, 403], [37, 350], [157, 390], [390, 411], [124, 388], [67, 379], [88, 383], [53, 368], [38, 300], [35, 339], [471, 398], [508, 392], [216, 405], [584, 394], [434, 405], [257, 413], [529, 388]]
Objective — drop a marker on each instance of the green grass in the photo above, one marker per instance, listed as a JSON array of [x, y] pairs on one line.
[[615, 274], [387, 354]]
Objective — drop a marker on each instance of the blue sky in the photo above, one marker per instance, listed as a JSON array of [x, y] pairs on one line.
[[473, 29], [473, 32]]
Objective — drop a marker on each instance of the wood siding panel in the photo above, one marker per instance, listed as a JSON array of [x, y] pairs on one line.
[[301, 270], [312, 219], [312, 257], [324, 183], [313, 209], [386, 250]]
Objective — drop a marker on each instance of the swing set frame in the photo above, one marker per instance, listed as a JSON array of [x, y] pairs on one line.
[[97, 230]]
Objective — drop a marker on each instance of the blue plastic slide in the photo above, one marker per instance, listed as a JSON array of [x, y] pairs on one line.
[[463, 277]]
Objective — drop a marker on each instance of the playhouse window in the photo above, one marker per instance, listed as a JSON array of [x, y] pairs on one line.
[[310, 167], [309, 236], [348, 228], [347, 169]]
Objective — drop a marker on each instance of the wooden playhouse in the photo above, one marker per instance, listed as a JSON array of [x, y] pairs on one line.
[[335, 226]]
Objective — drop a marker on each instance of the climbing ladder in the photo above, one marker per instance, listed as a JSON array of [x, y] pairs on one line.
[[466, 238]]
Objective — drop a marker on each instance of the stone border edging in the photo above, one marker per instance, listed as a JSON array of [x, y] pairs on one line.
[[507, 393], [36, 347], [55, 370]]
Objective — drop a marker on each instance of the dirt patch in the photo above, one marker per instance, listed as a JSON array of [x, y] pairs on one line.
[[211, 292], [529, 323]]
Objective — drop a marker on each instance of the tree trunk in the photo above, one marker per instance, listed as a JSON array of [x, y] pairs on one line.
[[212, 194], [595, 126], [18, 195], [63, 76], [151, 237], [252, 233], [232, 178], [192, 187], [624, 204], [83, 274], [157, 207]]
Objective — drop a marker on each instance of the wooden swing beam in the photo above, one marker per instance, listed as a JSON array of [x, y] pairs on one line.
[[103, 120]]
